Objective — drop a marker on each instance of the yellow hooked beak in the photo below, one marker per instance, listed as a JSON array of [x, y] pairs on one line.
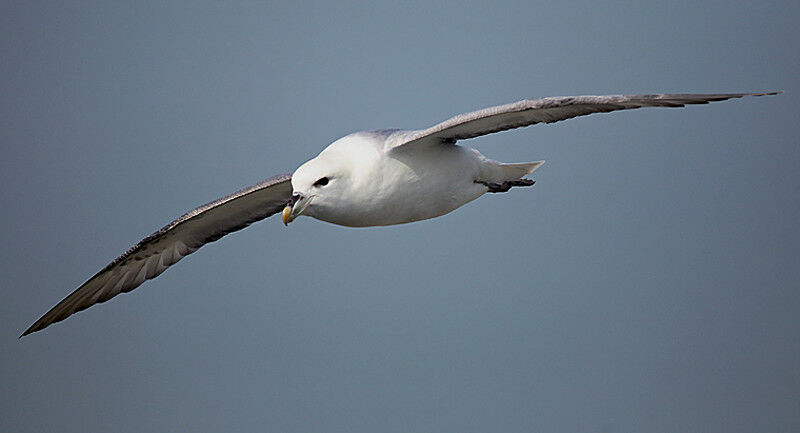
[[295, 208]]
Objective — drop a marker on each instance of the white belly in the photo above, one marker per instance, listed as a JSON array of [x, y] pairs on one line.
[[434, 182]]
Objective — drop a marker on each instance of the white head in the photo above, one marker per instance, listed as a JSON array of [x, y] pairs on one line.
[[328, 185]]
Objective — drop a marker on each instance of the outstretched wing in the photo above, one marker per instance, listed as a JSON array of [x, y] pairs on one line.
[[546, 110], [162, 249]]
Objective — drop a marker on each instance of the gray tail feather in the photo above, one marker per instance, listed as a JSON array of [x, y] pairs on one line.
[[509, 172]]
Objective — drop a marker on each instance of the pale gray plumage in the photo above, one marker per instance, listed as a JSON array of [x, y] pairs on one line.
[[207, 223], [547, 110]]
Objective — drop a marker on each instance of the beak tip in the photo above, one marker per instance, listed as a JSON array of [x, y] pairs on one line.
[[286, 215]]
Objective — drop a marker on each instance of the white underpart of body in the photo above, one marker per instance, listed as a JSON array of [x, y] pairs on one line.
[[370, 186]]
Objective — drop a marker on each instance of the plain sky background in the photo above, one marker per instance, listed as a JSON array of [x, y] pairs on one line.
[[650, 281]]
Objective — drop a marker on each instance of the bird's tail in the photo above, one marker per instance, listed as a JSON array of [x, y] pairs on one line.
[[509, 172]]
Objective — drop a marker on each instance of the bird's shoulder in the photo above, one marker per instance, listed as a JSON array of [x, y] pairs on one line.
[[381, 140]]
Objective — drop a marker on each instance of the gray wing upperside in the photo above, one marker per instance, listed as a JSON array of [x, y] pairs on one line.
[[545, 110], [162, 249]]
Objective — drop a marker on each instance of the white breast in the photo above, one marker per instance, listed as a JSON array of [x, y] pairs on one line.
[[402, 187]]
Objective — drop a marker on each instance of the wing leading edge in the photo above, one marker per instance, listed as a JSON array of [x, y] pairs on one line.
[[547, 110]]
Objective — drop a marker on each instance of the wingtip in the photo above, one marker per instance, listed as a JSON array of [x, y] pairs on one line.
[[30, 330], [774, 92], [33, 328]]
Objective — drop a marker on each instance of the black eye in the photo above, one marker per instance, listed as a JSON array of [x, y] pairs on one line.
[[321, 182]]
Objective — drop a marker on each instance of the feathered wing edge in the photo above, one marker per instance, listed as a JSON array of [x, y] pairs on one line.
[[545, 110], [181, 237]]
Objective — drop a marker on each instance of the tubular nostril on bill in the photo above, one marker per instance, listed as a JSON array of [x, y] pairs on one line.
[[295, 197]]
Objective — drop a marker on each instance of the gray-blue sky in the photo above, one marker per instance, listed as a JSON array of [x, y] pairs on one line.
[[648, 282]]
